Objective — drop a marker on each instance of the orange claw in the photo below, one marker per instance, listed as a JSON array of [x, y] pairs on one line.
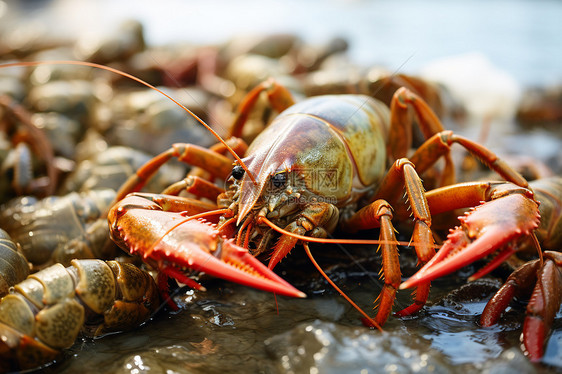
[[173, 242], [485, 229]]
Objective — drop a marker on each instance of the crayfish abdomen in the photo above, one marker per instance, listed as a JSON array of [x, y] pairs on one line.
[[45, 313]]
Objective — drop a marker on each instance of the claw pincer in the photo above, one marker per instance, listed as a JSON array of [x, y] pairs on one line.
[[174, 242], [493, 226]]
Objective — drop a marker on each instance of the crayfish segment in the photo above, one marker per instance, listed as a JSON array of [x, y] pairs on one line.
[[494, 225]]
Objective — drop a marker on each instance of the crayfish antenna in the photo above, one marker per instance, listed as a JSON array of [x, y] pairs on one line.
[[132, 77], [288, 237], [366, 317], [293, 237], [311, 239]]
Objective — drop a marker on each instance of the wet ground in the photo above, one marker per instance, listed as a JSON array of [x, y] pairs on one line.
[[231, 328]]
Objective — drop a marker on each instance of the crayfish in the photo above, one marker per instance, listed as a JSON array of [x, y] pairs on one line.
[[43, 314], [29, 143], [336, 160]]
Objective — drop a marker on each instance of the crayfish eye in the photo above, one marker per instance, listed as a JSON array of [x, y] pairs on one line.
[[279, 180], [237, 172]]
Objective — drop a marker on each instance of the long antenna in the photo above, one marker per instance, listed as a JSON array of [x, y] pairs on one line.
[[127, 75], [369, 319], [335, 241]]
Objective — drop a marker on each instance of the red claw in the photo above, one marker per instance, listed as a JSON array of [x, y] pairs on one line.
[[485, 229], [201, 250], [499, 225], [175, 243]]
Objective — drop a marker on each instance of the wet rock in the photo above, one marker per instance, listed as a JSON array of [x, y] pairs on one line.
[[175, 358], [541, 106], [111, 168], [63, 132], [485, 90], [471, 292], [321, 347], [12, 86], [510, 361], [125, 41], [46, 73], [75, 98], [148, 121]]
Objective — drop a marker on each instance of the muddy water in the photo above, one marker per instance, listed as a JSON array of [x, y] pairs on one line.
[[231, 328]]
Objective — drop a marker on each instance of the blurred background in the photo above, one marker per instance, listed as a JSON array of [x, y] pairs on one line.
[[522, 37], [500, 60]]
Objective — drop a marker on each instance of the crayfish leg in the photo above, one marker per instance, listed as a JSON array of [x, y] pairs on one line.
[[278, 96], [518, 284], [542, 308], [420, 297]]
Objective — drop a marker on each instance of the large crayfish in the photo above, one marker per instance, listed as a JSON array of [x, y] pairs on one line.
[[233, 262], [309, 171]]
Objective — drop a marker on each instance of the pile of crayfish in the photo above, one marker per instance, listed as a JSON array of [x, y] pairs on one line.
[[298, 162]]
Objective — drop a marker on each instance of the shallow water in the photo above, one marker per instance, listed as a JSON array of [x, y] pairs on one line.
[[233, 328]]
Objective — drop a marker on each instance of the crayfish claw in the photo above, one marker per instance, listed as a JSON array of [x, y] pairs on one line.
[[201, 250], [175, 244], [487, 228], [257, 274]]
